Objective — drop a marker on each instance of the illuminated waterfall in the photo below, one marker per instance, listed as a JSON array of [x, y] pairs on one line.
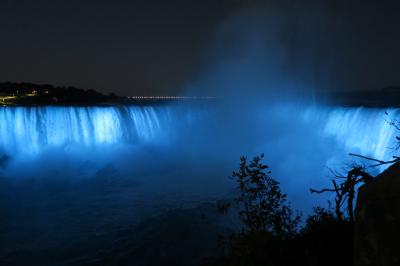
[[366, 131], [30, 129]]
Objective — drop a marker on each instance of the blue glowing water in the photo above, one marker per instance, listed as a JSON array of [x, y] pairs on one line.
[[184, 153], [31, 129], [366, 131]]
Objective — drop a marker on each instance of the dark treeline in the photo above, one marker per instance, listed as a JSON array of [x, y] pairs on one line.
[[271, 232], [386, 97], [29, 93]]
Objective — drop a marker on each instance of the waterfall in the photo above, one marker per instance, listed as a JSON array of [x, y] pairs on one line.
[[30, 129], [366, 131]]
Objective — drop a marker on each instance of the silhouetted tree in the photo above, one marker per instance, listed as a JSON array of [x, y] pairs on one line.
[[270, 234], [344, 188], [326, 240], [260, 203], [268, 221]]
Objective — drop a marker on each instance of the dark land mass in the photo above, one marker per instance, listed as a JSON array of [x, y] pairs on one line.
[[27, 94], [35, 94], [385, 97], [30, 94]]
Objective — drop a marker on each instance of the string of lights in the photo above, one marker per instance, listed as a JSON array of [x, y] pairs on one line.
[[172, 97]]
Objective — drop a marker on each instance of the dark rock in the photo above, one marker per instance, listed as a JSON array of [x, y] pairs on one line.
[[377, 231]]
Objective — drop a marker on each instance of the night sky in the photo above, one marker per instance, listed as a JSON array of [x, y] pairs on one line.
[[157, 47]]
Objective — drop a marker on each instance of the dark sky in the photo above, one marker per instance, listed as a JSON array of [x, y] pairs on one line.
[[153, 47]]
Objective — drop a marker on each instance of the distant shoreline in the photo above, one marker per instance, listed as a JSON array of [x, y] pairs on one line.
[[30, 94]]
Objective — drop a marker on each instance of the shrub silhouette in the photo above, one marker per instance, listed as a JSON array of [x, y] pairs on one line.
[[327, 239], [270, 232], [268, 221], [261, 204]]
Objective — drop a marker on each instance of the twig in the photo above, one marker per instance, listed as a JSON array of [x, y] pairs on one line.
[[380, 162], [365, 157], [323, 190]]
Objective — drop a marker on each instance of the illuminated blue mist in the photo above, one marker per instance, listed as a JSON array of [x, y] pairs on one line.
[[187, 151], [31, 129]]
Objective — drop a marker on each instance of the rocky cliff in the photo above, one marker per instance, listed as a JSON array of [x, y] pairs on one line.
[[377, 231]]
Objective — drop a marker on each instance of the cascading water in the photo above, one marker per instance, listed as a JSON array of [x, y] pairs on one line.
[[366, 131], [31, 129]]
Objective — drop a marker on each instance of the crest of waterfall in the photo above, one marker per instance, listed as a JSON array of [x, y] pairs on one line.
[[30, 129], [366, 131]]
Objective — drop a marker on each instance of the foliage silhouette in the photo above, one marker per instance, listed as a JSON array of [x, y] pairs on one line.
[[344, 187], [268, 222], [260, 203], [327, 239], [270, 232]]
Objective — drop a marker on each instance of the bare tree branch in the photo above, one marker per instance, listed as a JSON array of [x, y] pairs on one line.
[[379, 162], [322, 190], [345, 189], [365, 157]]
